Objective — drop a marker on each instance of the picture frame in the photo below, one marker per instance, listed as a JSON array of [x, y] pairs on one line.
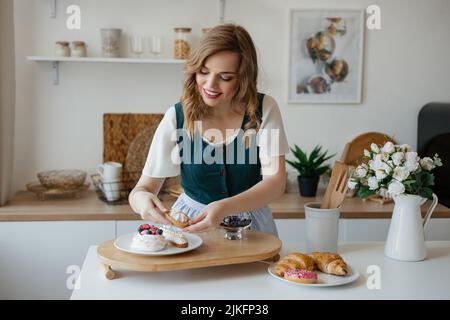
[[325, 55]]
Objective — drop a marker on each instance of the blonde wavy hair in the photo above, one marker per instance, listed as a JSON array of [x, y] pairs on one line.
[[225, 37]]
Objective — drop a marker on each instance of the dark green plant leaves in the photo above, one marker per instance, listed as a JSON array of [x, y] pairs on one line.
[[311, 165]]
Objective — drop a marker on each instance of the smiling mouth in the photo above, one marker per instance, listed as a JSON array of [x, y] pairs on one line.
[[211, 94]]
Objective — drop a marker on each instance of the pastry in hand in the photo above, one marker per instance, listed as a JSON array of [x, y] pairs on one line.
[[177, 218], [300, 276], [295, 260], [330, 263]]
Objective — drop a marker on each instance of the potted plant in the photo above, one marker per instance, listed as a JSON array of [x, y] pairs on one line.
[[310, 168], [398, 171]]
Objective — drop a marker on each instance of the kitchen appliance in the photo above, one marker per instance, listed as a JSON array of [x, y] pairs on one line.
[[433, 136]]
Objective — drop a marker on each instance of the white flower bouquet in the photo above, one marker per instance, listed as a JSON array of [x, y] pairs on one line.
[[394, 169]]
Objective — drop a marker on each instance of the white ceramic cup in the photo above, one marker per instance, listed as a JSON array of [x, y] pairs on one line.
[[322, 228], [110, 171]]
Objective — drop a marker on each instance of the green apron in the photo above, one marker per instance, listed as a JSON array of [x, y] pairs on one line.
[[233, 168]]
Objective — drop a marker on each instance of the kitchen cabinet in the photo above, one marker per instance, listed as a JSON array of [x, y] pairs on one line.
[[40, 239], [35, 256]]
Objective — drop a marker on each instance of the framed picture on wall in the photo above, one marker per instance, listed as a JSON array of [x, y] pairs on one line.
[[325, 55]]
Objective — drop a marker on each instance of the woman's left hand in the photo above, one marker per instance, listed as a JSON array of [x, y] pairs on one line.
[[209, 218]]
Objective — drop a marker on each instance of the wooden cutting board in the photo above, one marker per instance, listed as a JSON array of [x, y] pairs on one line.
[[120, 129], [215, 251], [354, 150], [127, 138]]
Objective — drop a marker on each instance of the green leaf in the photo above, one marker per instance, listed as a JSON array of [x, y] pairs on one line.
[[426, 193], [312, 164], [364, 192]]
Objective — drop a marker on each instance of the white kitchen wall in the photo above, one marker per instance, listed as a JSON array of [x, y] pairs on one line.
[[405, 66]]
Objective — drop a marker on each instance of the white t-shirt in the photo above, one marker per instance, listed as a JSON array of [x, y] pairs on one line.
[[163, 159]]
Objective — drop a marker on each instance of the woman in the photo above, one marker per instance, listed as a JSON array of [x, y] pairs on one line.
[[229, 144]]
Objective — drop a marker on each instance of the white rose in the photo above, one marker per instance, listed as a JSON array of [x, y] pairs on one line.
[[361, 171], [376, 163], [412, 161], [398, 158], [400, 173], [396, 188], [388, 147], [411, 156], [373, 183], [427, 163], [380, 174], [374, 148], [411, 165], [405, 147], [387, 166], [351, 184], [366, 153]]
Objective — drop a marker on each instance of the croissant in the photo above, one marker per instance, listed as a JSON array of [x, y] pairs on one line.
[[294, 260], [330, 263]]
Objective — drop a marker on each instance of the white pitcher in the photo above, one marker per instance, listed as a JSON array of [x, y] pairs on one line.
[[406, 238]]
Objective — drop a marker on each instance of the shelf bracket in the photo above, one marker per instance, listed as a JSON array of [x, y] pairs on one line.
[[52, 8], [55, 67], [221, 9]]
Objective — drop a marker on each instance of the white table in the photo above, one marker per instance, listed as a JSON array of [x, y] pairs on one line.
[[428, 279]]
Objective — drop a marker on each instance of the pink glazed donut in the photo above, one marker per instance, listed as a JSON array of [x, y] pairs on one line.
[[300, 275]]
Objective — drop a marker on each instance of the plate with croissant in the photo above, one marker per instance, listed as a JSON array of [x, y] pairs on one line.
[[318, 269]]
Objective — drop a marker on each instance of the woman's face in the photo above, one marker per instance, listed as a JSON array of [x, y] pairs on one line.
[[217, 80]]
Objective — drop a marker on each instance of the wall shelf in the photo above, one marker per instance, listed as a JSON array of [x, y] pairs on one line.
[[56, 60]]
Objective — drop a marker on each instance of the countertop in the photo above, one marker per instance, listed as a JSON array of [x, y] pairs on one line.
[[428, 279], [25, 206]]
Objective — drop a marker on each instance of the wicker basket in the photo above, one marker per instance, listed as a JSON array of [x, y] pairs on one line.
[[121, 188]]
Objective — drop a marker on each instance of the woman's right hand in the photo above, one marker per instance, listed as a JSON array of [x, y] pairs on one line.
[[149, 207]]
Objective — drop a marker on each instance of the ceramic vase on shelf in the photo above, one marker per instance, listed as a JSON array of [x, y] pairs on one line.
[[111, 42], [406, 237]]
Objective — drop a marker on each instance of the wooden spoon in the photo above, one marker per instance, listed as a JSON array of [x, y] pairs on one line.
[[337, 187]]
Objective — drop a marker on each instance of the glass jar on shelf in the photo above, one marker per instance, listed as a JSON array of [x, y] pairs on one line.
[[182, 45], [79, 49], [62, 49]]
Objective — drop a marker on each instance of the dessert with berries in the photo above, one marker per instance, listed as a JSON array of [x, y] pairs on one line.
[[149, 238]]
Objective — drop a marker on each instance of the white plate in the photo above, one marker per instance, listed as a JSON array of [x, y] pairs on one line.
[[323, 279], [124, 243]]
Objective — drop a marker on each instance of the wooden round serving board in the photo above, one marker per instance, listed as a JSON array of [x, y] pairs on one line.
[[215, 251]]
